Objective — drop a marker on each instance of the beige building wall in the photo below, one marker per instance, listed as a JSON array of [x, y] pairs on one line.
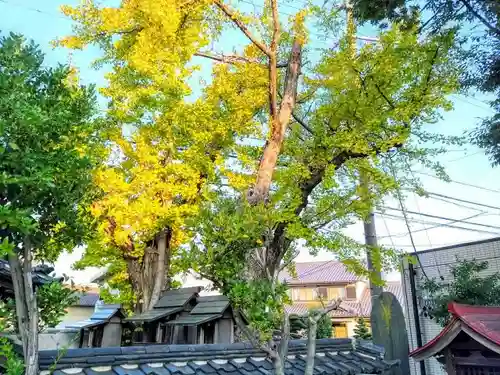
[[75, 314]]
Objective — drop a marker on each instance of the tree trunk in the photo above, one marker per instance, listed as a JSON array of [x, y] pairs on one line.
[[163, 247], [311, 345], [26, 307], [148, 276], [279, 124]]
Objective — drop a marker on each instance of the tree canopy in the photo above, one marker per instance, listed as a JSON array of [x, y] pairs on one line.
[[49, 145], [267, 155], [479, 24]]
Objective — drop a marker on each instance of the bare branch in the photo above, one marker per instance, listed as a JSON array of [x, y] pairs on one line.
[[301, 123], [485, 22], [231, 14], [227, 59]]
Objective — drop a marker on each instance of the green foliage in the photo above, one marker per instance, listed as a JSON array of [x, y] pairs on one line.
[[479, 24], [467, 286], [299, 326], [47, 150], [13, 364], [324, 327], [361, 332], [52, 300]]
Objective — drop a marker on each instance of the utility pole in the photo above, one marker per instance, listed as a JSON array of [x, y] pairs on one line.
[[369, 223]]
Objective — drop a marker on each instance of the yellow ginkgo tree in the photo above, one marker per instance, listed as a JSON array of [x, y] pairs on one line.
[[165, 149], [324, 116]]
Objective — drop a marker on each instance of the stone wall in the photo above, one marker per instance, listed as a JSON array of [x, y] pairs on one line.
[[54, 338]]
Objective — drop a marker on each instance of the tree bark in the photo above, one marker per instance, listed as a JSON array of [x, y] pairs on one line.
[[148, 276], [279, 123], [311, 345], [163, 246], [26, 306]]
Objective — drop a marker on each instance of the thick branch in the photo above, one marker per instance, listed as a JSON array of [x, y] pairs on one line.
[[249, 334], [227, 59], [485, 22], [273, 61], [234, 18], [273, 146]]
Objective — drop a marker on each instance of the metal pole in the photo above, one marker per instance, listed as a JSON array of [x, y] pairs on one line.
[[416, 316]]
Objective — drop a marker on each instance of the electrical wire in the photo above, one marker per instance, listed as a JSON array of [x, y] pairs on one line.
[[437, 225], [462, 200], [443, 218], [458, 182]]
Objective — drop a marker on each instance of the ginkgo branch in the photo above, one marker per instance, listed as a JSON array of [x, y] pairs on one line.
[[231, 14]]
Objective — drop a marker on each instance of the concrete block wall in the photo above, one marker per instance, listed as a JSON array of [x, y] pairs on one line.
[[437, 263]]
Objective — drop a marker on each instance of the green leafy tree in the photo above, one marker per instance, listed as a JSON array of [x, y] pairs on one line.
[[479, 24], [48, 147], [466, 286], [245, 206], [361, 331]]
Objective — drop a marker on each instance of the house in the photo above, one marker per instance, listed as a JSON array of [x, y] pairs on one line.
[[82, 309], [329, 280], [333, 356], [102, 329], [470, 342], [436, 264], [182, 316]]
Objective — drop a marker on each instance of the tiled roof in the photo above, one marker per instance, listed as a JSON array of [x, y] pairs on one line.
[[102, 314], [87, 299], [319, 272], [333, 357], [152, 315], [211, 305], [171, 302], [41, 273], [481, 323], [350, 309]]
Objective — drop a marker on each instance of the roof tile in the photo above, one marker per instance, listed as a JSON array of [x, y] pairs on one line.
[[319, 272], [350, 309], [228, 359]]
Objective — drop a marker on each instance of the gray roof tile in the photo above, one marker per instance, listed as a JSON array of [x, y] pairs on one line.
[[193, 320], [155, 314], [218, 359]]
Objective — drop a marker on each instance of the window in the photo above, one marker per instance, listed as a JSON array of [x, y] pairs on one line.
[[295, 294], [323, 293], [350, 292]]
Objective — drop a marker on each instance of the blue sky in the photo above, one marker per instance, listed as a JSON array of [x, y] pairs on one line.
[[42, 22]]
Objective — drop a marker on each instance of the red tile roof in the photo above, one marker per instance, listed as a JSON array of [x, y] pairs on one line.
[[333, 272], [350, 309], [481, 323]]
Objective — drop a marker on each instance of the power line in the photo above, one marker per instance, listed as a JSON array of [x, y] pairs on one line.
[[444, 218], [463, 200], [437, 225], [405, 216], [473, 104], [456, 204], [458, 182]]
